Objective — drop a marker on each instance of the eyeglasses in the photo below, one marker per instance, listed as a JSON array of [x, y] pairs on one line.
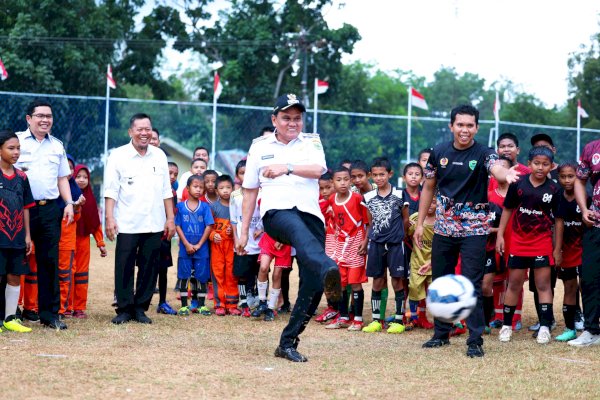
[[42, 116]]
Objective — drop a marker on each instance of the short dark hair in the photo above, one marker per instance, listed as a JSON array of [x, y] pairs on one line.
[[194, 178], [346, 161], [507, 135], [412, 165], [541, 151], [504, 158], [137, 117], [210, 172], [428, 150], [200, 148], [382, 162], [199, 159], [339, 168], [172, 164], [327, 176], [240, 165], [5, 135], [567, 164], [156, 130], [224, 178], [464, 109], [267, 129], [360, 165], [37, 103]]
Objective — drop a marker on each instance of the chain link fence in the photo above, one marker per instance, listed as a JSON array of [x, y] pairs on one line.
[[79, 123]]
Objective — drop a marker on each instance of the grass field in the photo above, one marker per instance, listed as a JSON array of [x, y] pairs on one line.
[[230, 357]]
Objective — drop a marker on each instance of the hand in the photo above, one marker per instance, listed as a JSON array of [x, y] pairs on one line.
[[557, 254], [68, 214], [228, 231], [500, 245], [275, 170], [512, 175], [424, 269], [362, 249], [103, 252], [589, 217], [169, 229], [217, 238], [112, 230], [257, 233], [28, 246], [80, 201], [241, 244], [189, 248], [418, 236], [278, 245]]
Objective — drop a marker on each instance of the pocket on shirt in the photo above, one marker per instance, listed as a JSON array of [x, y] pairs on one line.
[[54, 158]]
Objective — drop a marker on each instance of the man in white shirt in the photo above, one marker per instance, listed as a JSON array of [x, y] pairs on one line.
[[287, 166], [138, 210], [44, 160]]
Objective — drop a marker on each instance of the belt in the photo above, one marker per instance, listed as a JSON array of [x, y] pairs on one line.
[[44, 202]]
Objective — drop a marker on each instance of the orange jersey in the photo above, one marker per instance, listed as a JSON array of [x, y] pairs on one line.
[[222, 224]]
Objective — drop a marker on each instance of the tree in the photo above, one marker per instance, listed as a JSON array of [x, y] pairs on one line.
[[584, 83]]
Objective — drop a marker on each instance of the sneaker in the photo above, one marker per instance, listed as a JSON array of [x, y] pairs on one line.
[[220, 311], [269, 315], [142, 318], [260, 310], [535, 327], [234, 311], [14, 325], [338, 323], [290, 353], [194, 306], [31, 316], [585, 339], [496, 324], [204, 310], [355, 326], [285, 308], [396, 327], [246, 312], [410, 324], [436, 342], [505, 333], [544, 336], [487, 330], [579, 323], [68, 314], [165, 308], [459, 328], [423, 322], [79, 314], [517, 326], [252, 301], [328, 314], [373, 327], [475, 350], [184, 311], [568, 334]]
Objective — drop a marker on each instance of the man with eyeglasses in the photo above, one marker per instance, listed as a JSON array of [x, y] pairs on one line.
[[44, 160]]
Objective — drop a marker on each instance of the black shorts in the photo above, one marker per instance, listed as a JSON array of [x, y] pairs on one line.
[[386, 255], [165, 257], [567, 274], [492, 266], [245, 265], [519, 262], [13, 261]]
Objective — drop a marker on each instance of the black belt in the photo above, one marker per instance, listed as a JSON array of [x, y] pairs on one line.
[[44, 202]]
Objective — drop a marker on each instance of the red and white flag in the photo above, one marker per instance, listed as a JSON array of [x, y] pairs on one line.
[[322, 86], [110, 81], [497, 107], [3, 71], [418, 100], [218, 86], [580, 111]]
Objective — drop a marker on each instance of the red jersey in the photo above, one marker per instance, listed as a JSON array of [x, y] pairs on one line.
[[523, 170], [349, 216], [325, 206], [572, 248]]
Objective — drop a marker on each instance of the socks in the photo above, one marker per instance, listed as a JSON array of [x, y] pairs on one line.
[[183, 292], [376, 304], [359, 299], [11, 295], [569, 315], [273, 298], [343, 307], [399, 297], [202, 294], [413, 306], [509, 311], [242, 292], [488, 309], [262, 290], [546, 314]]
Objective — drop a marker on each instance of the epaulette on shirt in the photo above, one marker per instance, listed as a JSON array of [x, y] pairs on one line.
[[312, 136], [260, 138]]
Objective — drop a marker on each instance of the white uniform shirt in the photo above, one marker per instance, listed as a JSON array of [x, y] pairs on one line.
[[139, 185], [44, 162], [235, 212], [287, 191]]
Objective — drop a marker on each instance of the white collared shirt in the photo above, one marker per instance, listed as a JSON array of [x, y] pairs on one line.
[[139, 185], [286, 191], [44, 162]]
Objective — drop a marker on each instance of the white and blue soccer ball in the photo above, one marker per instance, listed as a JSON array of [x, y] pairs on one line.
[[451, 298]]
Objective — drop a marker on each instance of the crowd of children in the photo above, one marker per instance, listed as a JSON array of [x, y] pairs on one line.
[[535, 223]]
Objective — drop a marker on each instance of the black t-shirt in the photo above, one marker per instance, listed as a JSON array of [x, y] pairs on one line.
[[573, 231], [413, 204], [15, 196], [462, 183], [387, 225]]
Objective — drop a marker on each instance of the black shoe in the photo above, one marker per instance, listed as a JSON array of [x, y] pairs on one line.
[[290, 353], [261, 309], [534, 334], [436, 342], [30, 315], [122, 318], [269, 315], [19, 313], [285, 308], [142, 318], [55, 324], [332, 284], [475, 350]]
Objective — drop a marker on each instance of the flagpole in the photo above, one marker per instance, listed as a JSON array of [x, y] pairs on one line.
[[105, 155], [578, 131], [316, 104], [214, 128], [496, 117], [408, 131]]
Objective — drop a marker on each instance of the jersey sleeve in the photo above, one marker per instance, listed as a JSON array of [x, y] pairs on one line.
[[512, 196], [28, 200], [178, 216], [584, 168], [490, 159], [430, 168], [316, 153]]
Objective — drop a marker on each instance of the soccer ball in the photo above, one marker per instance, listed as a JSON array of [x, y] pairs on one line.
[[451, 298]]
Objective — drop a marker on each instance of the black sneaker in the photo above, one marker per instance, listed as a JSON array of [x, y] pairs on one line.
[[122, 318], [436, 342], [475, 350], [55, 324], [269, 315], [30, 315], [142, 318], [290, 354], [285, 308], [261, 309], [332, 284]]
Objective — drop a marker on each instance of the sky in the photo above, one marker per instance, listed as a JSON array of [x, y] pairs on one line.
[[525, 41]]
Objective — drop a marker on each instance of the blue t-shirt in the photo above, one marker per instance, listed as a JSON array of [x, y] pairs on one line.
[[193, 223]]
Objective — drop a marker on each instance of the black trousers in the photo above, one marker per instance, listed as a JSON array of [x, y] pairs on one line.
[[306, 233], [143, 249], [444, 257], [590, 280], [44, 222]]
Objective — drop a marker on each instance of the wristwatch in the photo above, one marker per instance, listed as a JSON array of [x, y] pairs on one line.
[[71, 202], [290, 168]]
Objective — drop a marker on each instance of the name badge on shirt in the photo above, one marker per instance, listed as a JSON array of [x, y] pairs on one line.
[[267, 156]]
